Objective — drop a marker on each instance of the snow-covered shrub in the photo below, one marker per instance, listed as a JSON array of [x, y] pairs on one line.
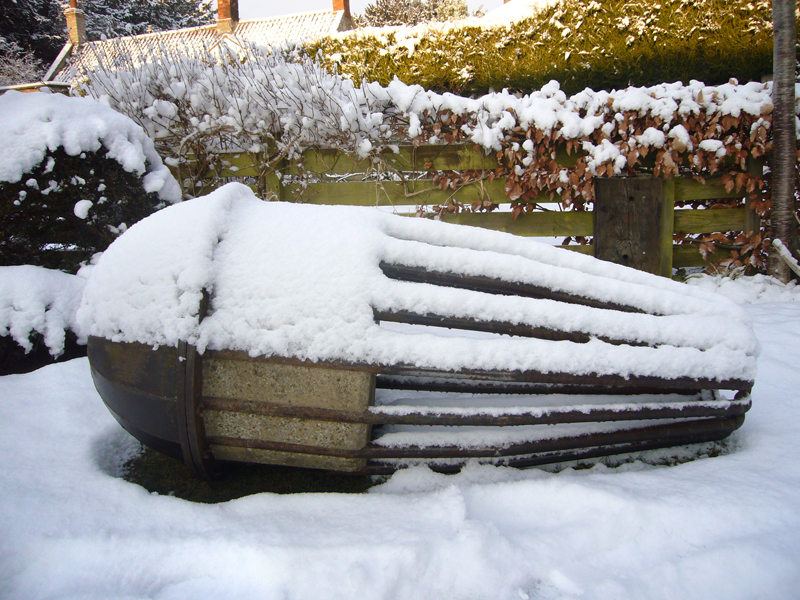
[[18, 66], [73, 175], [196, 103], [271, 106], [602, 44], [115, 18], [37, 317], [381, 13]]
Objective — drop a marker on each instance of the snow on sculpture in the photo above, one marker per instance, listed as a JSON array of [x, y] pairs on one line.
[[325, 303]]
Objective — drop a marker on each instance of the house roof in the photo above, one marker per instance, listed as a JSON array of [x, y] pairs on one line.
[[272, 31], [516, 10]]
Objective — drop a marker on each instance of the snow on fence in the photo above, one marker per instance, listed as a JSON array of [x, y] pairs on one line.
[[634, 221], [199, 104]]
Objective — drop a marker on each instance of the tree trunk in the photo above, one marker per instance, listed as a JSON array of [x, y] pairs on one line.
[[783, 222]]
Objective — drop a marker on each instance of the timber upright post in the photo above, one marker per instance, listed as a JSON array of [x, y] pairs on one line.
[[633, 222]]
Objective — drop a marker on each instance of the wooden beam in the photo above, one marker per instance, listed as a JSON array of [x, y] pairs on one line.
[[711, 221], [628, 222], [533, 224], [688, 189], [688, 255], [667, 227]]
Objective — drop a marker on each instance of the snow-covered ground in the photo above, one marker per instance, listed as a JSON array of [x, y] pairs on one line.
[[726, 527]]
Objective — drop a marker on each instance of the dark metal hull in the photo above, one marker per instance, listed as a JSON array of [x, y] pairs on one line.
[[228, 406]]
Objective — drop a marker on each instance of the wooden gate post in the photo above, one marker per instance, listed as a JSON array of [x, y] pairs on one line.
[[634, 222]]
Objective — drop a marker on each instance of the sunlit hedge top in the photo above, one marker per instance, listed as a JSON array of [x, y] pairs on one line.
[[601, 45]]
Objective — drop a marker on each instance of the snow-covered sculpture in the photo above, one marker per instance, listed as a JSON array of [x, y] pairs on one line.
[[258, 331]]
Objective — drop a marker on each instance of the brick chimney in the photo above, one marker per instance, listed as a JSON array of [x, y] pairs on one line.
[[342, 5], [227, 16], [76, 23]]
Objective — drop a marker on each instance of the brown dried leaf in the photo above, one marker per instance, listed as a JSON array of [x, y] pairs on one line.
[[513, 192], [729, 185], [714, 237], [741, 179]]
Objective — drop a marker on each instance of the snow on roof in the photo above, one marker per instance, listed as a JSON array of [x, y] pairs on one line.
[[291, 28], [273, 31], [303, 281], [516, 10], [407, 35], [32, 124]]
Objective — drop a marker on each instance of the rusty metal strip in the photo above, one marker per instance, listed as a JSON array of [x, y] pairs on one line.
[[618, 382], [377, 467], [190, 423], [498, 327], [652, 384], [465, 385], [537, 416], [191, 429], [184, 398], [662, 434], [433, 320], [490, 285]]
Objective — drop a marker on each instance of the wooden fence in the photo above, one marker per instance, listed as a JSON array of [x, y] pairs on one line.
[[634, 220]]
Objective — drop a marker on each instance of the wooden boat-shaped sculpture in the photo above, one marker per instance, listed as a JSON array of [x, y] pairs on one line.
[[230, 329]]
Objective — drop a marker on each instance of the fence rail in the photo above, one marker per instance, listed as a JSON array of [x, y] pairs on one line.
[[402, 178]]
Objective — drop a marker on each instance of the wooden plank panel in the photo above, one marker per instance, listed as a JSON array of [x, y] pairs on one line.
[[457, 157], [389, 193], [667, 228], [710, 221], [579, 248], [534, 224], [396, 193], [688, 255], [628, 222], [687, 189], [238, 165]]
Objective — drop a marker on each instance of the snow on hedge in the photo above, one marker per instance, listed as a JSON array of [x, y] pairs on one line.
[[249, 96], [37, 300], [302, 281], [33, 124]]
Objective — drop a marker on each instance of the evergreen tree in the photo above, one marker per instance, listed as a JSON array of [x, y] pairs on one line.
[[115, 18], [32, 26], [382, 13], [41, 222], [39, 27]]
